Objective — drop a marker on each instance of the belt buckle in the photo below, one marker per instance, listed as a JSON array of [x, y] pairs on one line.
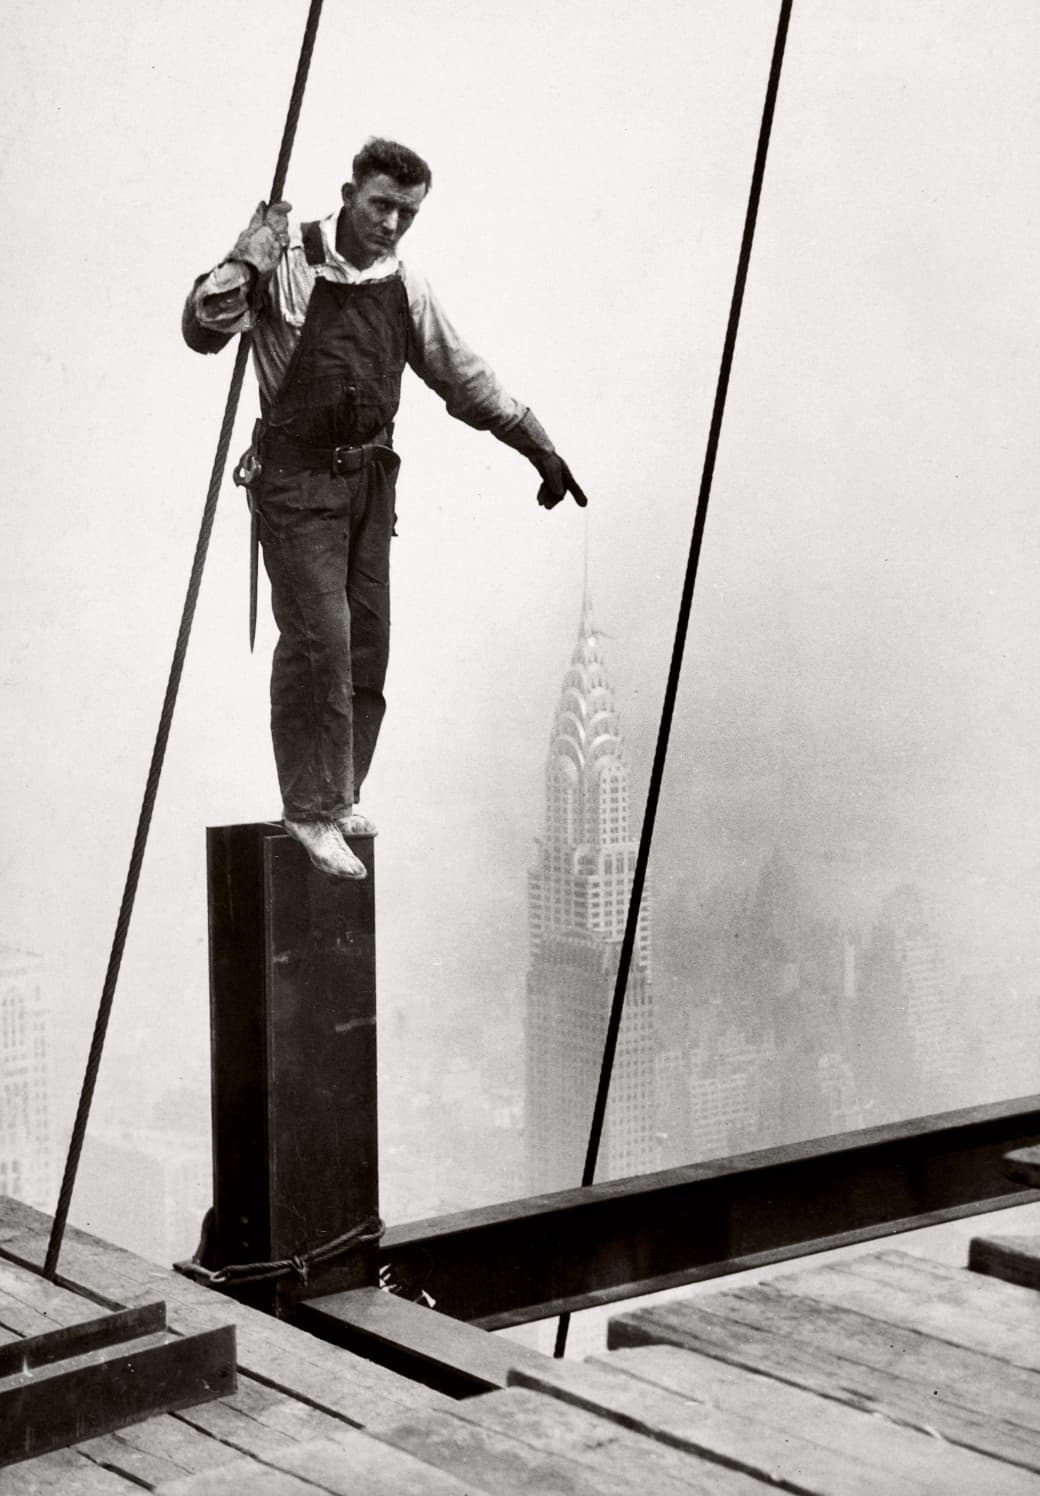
[[339, 454]]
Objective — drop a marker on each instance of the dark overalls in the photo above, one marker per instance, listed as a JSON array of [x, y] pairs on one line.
[[325, 499]]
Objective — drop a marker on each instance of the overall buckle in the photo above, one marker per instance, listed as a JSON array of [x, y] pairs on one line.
[[346, 460]]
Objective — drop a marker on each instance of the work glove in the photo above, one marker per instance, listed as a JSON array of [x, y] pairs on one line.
[[557, 481], [530, 437], [263, 241]]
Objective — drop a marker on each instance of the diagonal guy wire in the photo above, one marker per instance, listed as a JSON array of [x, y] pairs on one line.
[[685, 607], [79, 1129]]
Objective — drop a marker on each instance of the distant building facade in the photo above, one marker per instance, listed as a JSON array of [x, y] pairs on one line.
[[144, 1189], [26, 1145], [578, 896], [919, 1048]]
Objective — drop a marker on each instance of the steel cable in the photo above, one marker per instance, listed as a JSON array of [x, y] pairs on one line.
[[172, 687], [685, 607]]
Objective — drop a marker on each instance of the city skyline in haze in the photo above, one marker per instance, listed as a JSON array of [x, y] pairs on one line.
[[861, 677]]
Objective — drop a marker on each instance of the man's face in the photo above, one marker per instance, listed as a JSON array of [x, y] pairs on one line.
[[378, 212]]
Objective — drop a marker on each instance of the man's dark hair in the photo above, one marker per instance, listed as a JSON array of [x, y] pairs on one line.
[[397, 161]]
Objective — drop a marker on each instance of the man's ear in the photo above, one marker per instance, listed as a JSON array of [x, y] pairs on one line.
[[347, 192]]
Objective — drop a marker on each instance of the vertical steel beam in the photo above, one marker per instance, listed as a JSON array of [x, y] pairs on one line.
[[293, 1014]]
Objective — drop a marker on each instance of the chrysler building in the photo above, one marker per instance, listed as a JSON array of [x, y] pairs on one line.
[[578, 893]]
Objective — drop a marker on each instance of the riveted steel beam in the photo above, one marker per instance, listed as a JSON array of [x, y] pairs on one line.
[[293, 1013], [532, 1258]]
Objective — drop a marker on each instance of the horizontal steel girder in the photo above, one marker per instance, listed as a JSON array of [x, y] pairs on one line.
[[532, 1258]]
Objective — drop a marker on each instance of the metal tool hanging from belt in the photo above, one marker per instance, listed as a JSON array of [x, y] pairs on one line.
[[247, 470]]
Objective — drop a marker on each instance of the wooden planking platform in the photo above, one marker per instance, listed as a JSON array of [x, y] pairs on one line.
[[753, 1423], [256, 1420], [269, 1350], [293, 1389], [908, 1349], [881, 1374]]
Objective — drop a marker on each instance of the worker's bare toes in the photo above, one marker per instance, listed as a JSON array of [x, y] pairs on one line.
[[355, 824], [326, 848]]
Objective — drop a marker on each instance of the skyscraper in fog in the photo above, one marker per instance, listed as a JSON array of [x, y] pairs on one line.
[[26, 1159], [578, 894], [919, 1049]]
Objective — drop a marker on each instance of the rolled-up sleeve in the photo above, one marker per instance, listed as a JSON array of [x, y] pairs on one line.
[[219, 305], [465, 382]]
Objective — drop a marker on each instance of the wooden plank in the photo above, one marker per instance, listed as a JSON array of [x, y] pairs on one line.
[[957, 1373], [158, 1450], [269, 1350], [457, 1357], [244, 1478], [261, 1421], [944, 1282], [966, 1397], [167, 1439], [134, 1460], [255, 1423], [610, 1447], [31, 1305], [22, 1321], [61, 1403], [64, 1472], [945, 1315], [1012, 1259], [1009, 1313], [550, 1451], [776, 1432], [353, 1464], [828, 1421]]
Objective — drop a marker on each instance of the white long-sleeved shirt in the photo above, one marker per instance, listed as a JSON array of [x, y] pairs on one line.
[[221, 303]]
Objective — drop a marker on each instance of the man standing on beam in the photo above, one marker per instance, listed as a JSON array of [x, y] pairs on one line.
[[335, 316]]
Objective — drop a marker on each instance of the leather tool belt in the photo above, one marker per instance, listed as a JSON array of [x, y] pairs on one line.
[[339, 461]]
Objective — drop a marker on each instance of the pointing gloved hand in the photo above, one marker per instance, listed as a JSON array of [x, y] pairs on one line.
[[263, 240], [530, 437], [557, 481]]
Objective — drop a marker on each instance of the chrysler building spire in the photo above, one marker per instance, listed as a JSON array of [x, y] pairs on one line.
[[578, 894], [587, 771]]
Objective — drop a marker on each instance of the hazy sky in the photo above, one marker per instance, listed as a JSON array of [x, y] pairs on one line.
[[861, 674]]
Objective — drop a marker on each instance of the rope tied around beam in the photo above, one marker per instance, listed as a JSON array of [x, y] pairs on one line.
[[299, 1265]]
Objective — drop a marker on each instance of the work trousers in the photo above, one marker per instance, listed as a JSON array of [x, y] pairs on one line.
[[326, 545]]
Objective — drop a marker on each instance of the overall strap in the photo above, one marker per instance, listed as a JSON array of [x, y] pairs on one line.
[[314, 250]]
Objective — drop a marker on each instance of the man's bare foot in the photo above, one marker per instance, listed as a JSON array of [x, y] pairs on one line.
[[355, 824], [326, 848]]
